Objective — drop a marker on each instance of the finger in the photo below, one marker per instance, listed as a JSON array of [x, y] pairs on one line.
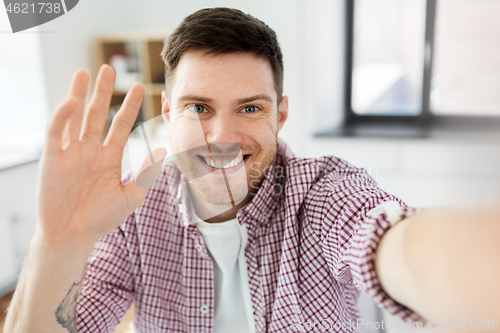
[[125, 118], [99, 104], [57, 125], [65, 110], [78, 91]]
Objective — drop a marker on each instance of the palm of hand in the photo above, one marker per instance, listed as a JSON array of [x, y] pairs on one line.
[[80, 192]]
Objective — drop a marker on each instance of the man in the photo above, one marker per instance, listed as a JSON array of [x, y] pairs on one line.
[[287, 248]]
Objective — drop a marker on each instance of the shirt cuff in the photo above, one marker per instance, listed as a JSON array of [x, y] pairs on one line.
[[362, 254]]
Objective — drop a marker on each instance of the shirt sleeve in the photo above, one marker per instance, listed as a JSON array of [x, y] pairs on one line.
[[108, 287], [360, 214]]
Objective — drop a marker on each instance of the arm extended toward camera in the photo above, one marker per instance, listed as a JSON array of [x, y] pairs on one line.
[[444, 264]]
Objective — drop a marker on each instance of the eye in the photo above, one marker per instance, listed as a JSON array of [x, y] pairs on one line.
[[250, 109], [198, 108]]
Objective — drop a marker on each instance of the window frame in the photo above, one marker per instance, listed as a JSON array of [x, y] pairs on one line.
[[426, 121]]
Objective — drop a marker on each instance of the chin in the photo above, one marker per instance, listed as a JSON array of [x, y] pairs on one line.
[[217, 193]]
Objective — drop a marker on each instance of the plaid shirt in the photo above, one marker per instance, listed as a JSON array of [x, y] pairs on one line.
[[313, 228]]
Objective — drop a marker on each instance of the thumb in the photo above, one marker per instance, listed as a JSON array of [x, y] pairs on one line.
[[146, 175], [150, 168]]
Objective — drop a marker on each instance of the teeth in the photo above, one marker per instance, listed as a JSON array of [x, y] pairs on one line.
[[234, 163], [209, 162], [222, 164]]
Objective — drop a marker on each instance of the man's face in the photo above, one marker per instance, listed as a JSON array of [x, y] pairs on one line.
[[223, 108]]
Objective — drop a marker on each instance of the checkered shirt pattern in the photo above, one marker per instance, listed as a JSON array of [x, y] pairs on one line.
[[311, 248]]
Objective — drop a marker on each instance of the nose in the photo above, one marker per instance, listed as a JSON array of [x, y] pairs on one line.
[[222, 128]]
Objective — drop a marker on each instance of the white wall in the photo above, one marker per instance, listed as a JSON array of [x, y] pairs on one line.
[[17, 219], [425, 172]]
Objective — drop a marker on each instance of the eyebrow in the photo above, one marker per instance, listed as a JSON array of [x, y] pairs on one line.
[[239, 101], [186, 98], [255, 98]]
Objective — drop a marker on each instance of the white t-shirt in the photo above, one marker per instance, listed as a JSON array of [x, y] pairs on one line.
[[226, 243]]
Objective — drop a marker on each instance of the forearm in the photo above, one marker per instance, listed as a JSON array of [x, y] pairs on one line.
[[45, 297], [444, 264]]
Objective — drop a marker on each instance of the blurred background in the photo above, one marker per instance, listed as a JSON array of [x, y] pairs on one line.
[[408, 89]]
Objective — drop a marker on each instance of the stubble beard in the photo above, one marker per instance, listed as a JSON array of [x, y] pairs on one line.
[[218, 193]]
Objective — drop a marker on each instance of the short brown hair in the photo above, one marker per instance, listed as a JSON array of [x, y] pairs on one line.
[[223, 31]]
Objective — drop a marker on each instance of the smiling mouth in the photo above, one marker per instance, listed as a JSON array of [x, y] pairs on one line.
[[221, 163]]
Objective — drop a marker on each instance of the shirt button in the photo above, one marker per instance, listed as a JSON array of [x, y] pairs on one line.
[[204, 309], [199, 247]]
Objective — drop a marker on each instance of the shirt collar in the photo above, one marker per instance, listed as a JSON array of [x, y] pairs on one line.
[[272, 190]]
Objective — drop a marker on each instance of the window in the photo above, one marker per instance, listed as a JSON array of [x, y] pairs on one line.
[[412, 61], [23, 100], [388, 57], [466, 75]]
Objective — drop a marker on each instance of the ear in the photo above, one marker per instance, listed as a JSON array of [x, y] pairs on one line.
[[282, 112], [165, 107]]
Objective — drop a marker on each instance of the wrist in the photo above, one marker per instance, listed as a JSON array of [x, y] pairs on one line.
[[74, 249], [47, 240]]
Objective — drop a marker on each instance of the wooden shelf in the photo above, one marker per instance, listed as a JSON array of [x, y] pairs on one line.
[[141, 53], [155, 88]]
